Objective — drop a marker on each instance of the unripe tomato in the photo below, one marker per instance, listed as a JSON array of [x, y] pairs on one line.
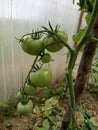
[[29, 89], [46, 58], [42, 77], [56, 46], [25, 109], [62, 34], [31, 46]]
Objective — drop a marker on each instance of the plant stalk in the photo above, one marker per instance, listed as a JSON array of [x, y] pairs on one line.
[[88, 32]]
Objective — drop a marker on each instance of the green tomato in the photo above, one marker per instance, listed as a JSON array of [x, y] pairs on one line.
[[29, 89], [25, 109], [42, 77], [46, 58], [31, 46], [56, 46]]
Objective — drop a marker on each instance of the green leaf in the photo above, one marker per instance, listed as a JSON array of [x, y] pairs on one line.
[[96, 65], [50, 103], [87, 17], [89, 6], [47, 113], [79, 35], [46, 124], [54, 128], [91, 126], [3, 104], [36, 109], [81, 4], [95, 124], [53, 120]]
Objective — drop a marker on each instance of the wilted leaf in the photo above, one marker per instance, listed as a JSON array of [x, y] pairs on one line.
[[50, 103]]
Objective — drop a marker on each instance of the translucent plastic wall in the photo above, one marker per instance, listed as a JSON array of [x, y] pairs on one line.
[[18, 17]]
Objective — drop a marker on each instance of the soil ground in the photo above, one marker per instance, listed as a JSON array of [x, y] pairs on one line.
[[90, 100]]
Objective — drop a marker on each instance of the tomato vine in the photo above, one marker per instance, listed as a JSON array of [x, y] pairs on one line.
[[73, 53]]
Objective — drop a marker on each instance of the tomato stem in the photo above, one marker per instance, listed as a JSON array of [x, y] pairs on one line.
[[74, 55]]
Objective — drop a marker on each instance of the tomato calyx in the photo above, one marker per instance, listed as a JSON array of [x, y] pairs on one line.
[[23, 97], [53, 31], [35, 35]]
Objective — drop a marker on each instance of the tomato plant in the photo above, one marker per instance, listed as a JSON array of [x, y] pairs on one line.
[[25, 109], [31, 46], [54, 39], [42, 77]]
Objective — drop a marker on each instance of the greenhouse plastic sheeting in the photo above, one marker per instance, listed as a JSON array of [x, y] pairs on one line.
[[17, 17]]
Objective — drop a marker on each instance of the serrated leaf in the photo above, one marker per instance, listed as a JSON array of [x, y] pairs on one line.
[[79, 35]]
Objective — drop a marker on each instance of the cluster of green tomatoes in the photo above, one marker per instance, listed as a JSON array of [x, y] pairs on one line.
[[39, 46]]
